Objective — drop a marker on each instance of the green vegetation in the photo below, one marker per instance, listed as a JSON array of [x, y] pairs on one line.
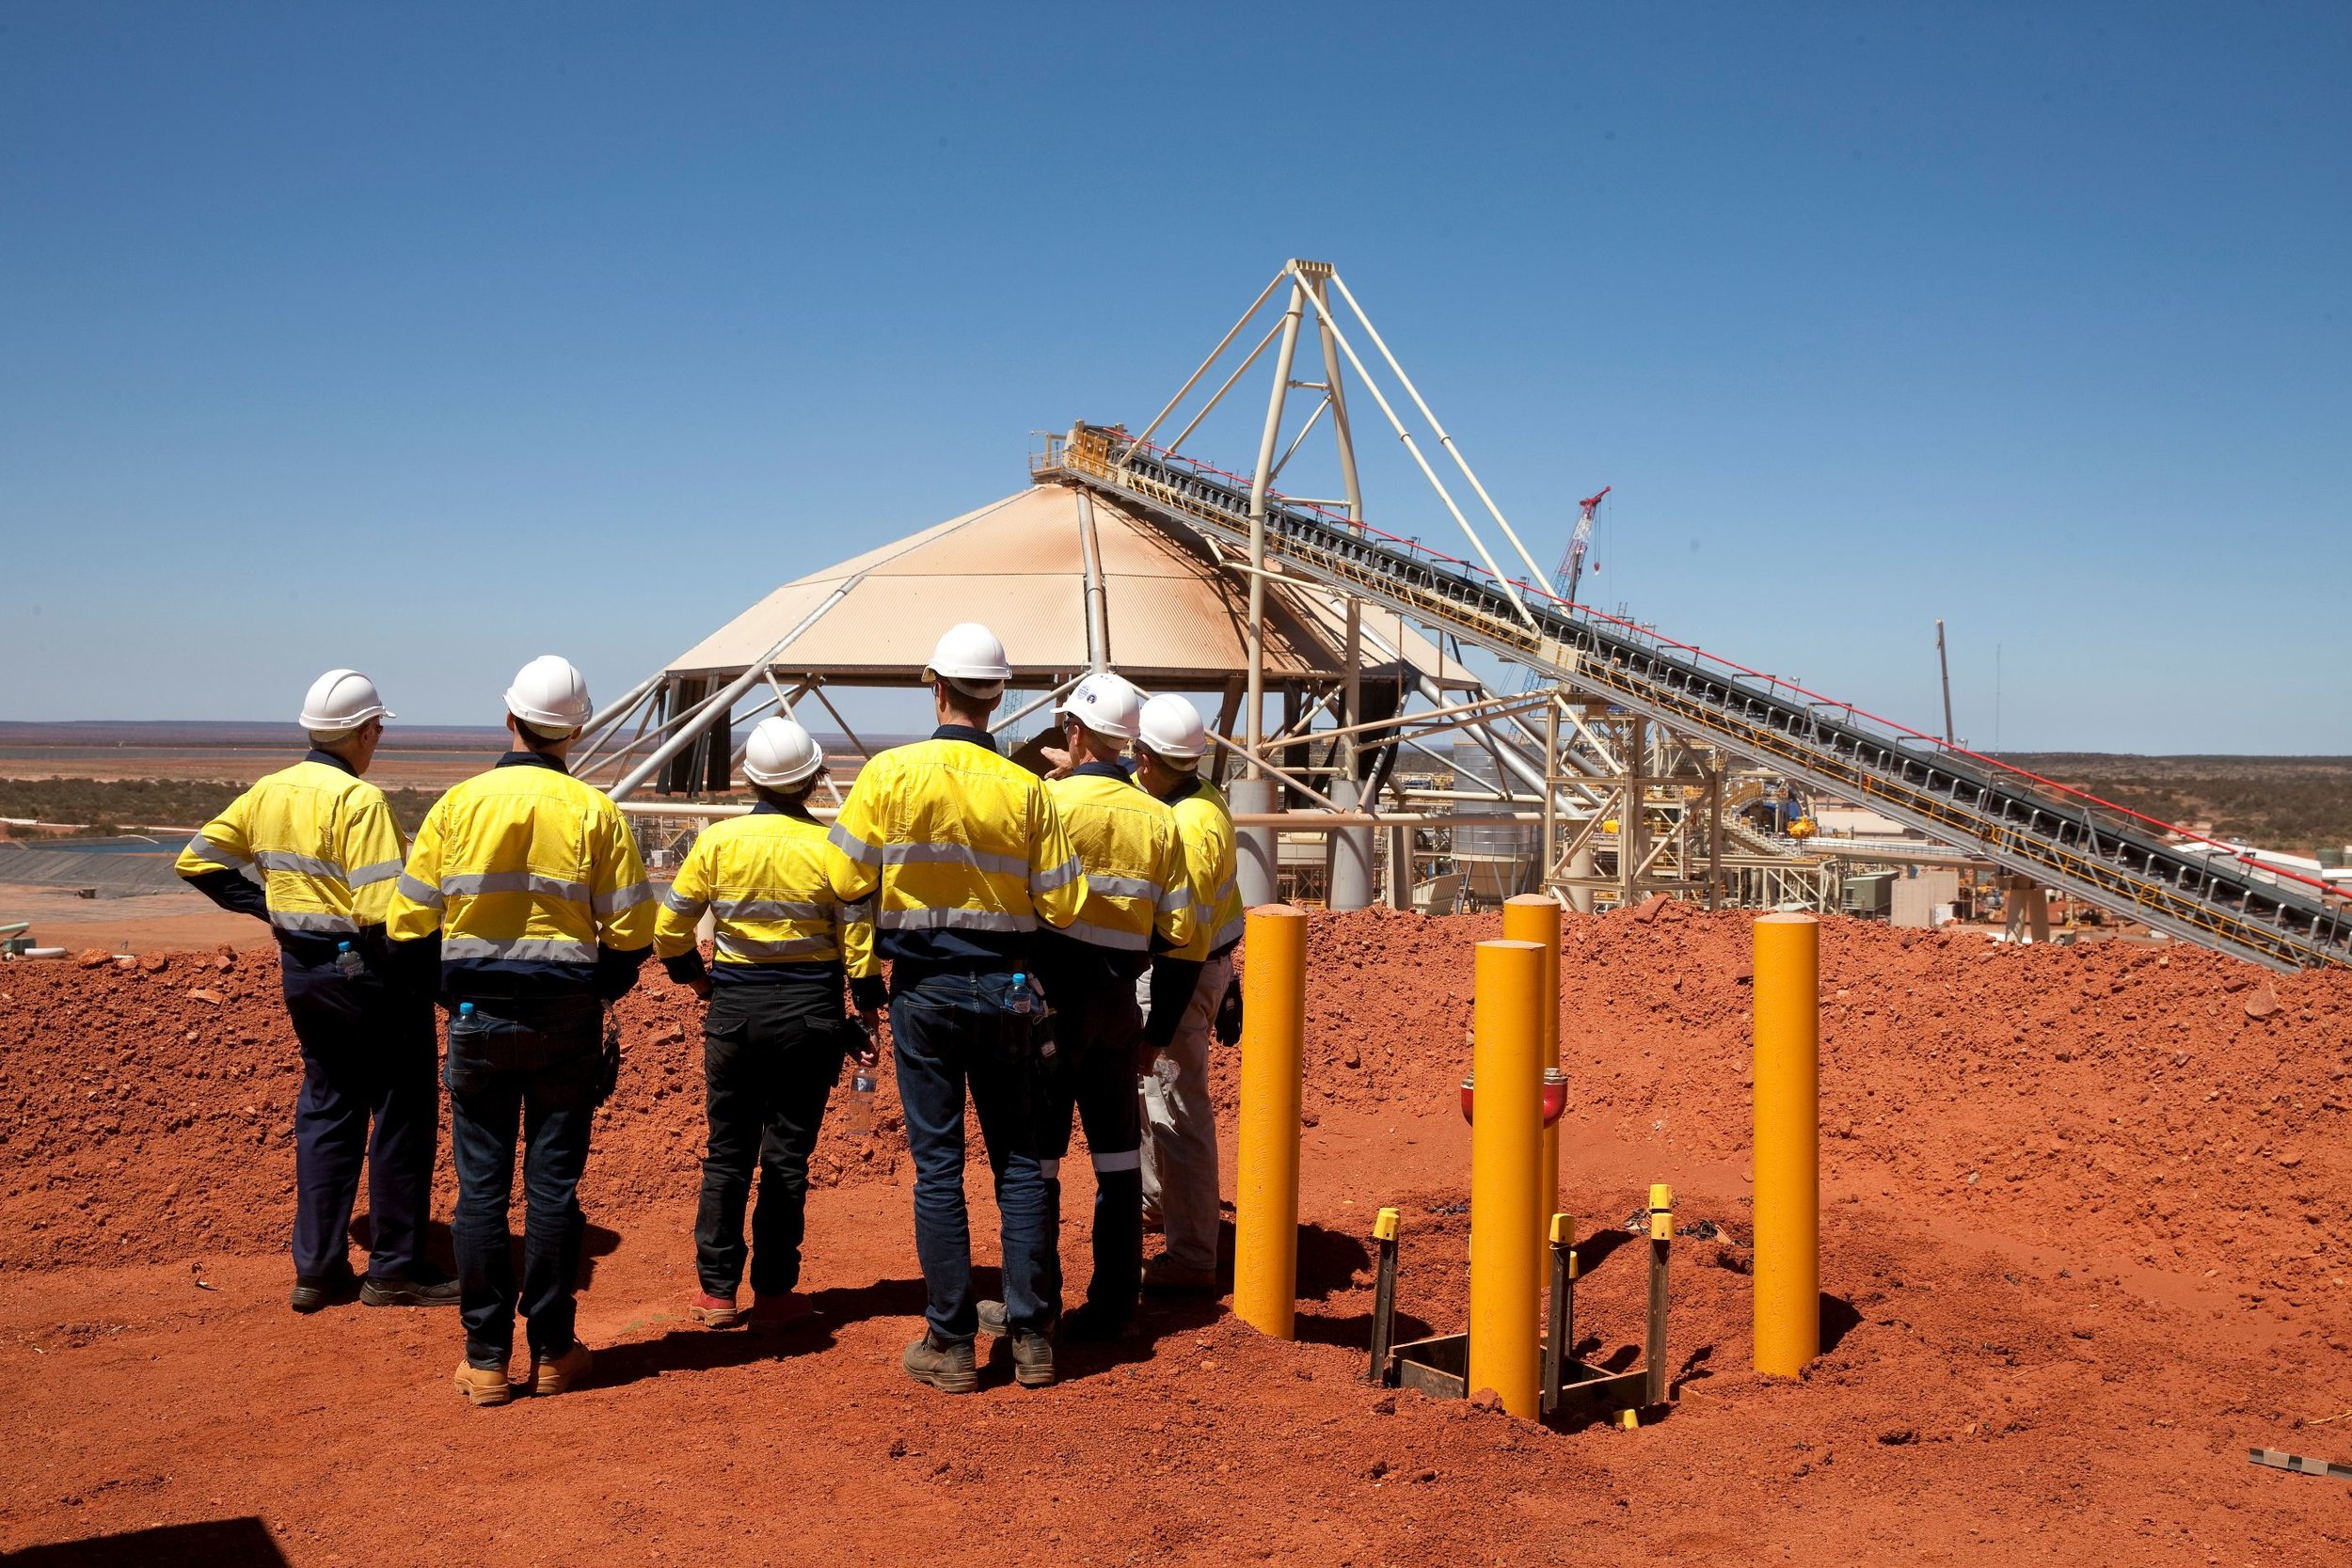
[[109, 806], [2297, 804]]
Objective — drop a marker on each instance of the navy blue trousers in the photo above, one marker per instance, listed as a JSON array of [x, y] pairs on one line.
[[771, 1054], [1098, 1032], [528, 1066], [367, 1098], [951, 1032]]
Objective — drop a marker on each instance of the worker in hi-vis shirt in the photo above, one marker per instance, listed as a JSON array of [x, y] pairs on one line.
[[535, 885], [775, 1033], [965, 855], [1187, 994], [313, 849], [1139, 904]]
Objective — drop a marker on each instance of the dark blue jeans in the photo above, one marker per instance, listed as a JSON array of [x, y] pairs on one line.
[[367, 1098], [950, 1031], [531, 1064]]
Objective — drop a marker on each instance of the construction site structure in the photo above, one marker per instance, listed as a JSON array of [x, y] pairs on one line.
[[1627, 755]]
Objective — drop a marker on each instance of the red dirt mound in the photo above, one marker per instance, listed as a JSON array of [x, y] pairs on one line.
[[2149, 1101]]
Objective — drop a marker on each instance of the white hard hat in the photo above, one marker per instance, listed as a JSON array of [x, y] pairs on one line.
[[1170, 727], [970, 659], [341, 700], [780, 754], [549, 695], [1105, 702]]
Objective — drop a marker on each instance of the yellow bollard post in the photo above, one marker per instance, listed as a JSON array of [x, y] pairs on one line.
[[1787, 1143], [1265, 1195], [1506, 1142], [1535, 917]]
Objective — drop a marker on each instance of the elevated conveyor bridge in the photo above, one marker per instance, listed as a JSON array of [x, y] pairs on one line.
[[2028, 825]]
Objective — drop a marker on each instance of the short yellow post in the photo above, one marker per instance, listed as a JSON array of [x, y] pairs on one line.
[[1535, 917], [1265, 1195], [1787, 1143], [1506, 1144]]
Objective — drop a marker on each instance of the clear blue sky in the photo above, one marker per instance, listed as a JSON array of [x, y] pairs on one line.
[[426, 339]]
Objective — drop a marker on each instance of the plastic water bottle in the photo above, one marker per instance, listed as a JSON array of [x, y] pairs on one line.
[[860, 1113], [1024, 999], [348, 962], [464, 1014]]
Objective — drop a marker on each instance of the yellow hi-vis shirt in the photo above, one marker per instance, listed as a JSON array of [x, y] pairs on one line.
[[318, 838], [764, 880], [1136, 882], [524, 871], [1206, 824], [964, 844]]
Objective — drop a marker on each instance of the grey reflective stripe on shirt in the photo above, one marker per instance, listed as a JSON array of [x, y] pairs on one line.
[[1229, 932], [754, 949], [1124, 887], [769, 908], [382, 871], [954, 920], [678, 903], [1086, 930], [610, 904], [299, 920], [205, 849], [286, 860], [420, 893], [561, 950], [474, 883], [955, 854], [1058, 876], [855, 847]]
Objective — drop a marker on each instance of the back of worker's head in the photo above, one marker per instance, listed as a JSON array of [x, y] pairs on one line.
[[549, 700], [337, 706], [783, 761], [1104, 708], [1170, 731], [968, 667]]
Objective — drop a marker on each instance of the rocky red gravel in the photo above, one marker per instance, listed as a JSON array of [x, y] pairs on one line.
[[2085, 1218]]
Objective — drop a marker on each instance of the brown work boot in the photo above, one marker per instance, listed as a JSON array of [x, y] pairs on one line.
[[716, 1311], [561, 1374], [1032, 1359], [483, 1385], [947, 1367]]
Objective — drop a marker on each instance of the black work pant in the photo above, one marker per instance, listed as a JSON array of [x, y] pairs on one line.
[[771, 1054], [531, 1065], [1098, 1029], [367, 1098]]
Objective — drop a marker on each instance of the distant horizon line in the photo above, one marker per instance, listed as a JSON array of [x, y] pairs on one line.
[[271, 732]]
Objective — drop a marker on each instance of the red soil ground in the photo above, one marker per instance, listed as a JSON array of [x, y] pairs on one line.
[[2085, 1242]]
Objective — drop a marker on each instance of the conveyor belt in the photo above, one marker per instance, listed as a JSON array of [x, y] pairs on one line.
[[2059, 837]]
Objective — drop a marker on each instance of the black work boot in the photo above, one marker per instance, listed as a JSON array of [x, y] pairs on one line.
[[1094, 1324], [947, 1366], [314, 1290], [423, 1286]]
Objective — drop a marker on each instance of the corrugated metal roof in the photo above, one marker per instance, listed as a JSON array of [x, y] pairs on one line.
[[1175, 618]]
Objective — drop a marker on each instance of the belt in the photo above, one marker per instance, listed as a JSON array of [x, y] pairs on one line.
[[911, 972]]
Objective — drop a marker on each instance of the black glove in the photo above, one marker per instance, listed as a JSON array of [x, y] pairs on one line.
[[1228, 1014], [609, 1061]]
